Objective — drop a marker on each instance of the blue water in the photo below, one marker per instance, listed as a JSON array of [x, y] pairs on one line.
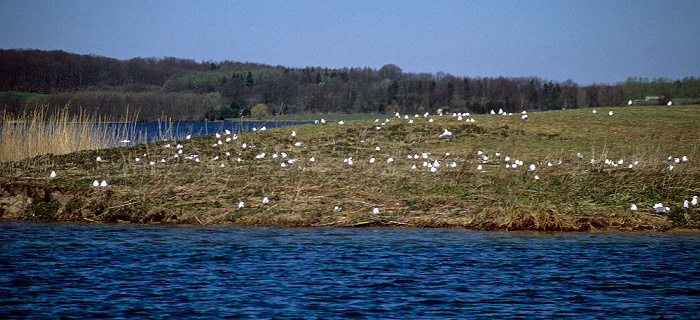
[[154, 131], [166, 272]]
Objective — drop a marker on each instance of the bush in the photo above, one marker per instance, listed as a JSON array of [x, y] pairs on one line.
[[259, 111]]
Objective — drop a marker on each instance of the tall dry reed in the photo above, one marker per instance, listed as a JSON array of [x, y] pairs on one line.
[[39, 132]]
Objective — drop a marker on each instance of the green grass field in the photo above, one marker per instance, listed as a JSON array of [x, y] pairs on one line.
[[565, 191]]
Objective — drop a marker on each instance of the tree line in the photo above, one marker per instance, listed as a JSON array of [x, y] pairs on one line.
[[183, 89]]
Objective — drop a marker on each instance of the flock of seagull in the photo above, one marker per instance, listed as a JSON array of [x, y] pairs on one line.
[[425, 160]]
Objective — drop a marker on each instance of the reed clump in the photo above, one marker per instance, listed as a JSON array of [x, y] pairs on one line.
[[40, 131]]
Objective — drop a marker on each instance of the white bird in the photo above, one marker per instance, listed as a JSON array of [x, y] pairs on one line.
[[222, 165], [537, 177], [523, 117], [659, 207], [433, 169], [95, 183], [629, 103], [452, 165], [323, 121], [265, 200], [299, 144], [312, 159], [103, 183], [294, 133], [341, 122], [633, 207], [610, 113], [479, 167], [390, 160], [240, 205], [292, 161], [283, 165], [98, 159], [686, 204], [188, 137], [152, 163], [684, 159], [413, 167], [531, 168], [377, 148], [337, 209], [375, 210], [218, 136], [694, 201], [430, 120], [244, 145], [493, 112], [260, 156], [53, 174], [227, 132], [447, 133], [594, 111], [371, 160]]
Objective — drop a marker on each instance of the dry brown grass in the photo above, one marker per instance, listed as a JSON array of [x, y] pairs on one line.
[[575, 195], [39, 132]]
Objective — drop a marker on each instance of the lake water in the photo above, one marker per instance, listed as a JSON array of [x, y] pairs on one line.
[[152, 131], [81, 271]]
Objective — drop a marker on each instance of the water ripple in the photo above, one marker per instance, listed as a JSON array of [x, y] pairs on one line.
[[166, 272]]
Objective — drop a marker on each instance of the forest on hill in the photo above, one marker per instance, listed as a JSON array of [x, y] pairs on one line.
[[183, 89]]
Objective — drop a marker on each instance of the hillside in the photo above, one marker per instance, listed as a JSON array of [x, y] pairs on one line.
[[183, 89]]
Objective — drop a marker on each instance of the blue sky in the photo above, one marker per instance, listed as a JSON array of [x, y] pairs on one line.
[[586, 41]]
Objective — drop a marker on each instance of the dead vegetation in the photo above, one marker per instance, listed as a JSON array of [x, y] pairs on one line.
[[574, 195]]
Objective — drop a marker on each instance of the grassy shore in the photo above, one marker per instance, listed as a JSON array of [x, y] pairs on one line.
[[572, 186]]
